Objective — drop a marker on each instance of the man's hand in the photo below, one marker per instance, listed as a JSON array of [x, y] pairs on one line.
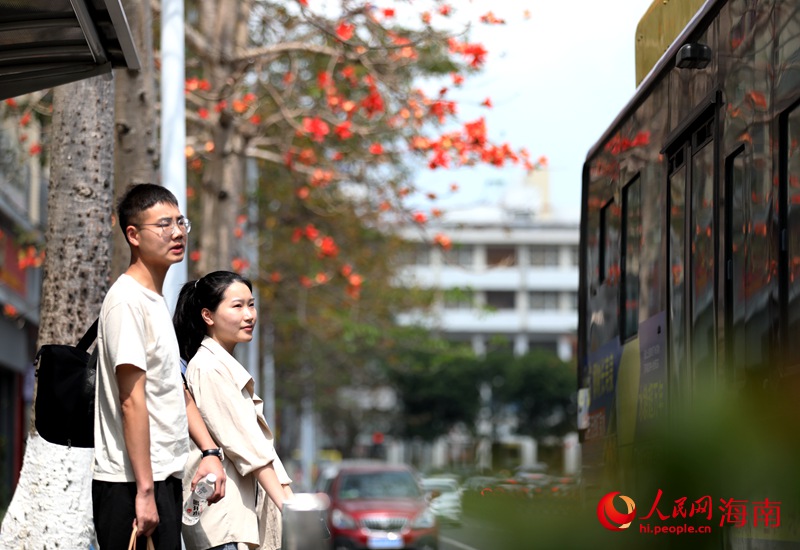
[[146, 514], [211, 465]]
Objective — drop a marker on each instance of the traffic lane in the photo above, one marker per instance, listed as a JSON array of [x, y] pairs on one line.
[[473, 534]]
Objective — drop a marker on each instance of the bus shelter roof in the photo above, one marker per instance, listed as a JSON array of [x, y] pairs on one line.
[[45, 43]]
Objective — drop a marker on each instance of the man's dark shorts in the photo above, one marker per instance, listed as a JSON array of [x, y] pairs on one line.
[[114, 510]]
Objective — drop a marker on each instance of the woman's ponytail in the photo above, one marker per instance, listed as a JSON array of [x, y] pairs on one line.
[[188, 320]]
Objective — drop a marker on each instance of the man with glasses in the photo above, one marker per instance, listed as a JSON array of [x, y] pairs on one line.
[[144, 416]]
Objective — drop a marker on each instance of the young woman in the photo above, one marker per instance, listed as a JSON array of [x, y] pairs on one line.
[[212, 316]]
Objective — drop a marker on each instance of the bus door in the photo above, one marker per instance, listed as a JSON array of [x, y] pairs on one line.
[[691, 253]]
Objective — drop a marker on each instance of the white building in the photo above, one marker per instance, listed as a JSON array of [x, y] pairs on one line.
[[512, 271]]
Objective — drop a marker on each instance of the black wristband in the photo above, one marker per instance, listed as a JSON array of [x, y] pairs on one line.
[[213, 452]]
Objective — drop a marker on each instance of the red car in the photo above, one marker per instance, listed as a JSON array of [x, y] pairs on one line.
[[378, 506]]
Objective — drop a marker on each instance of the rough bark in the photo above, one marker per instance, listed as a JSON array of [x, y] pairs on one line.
[[137, 150], [51, 507]]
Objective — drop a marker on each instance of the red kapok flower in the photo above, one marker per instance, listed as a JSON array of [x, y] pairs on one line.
[[342, 131], [311, 232], [317, 127], [344, 31], [327, 247], [443, 241]]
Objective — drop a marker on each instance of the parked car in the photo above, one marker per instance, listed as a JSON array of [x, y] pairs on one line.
[[534, 478], [477, 484], [444, 494], [376, 505], [565, 486]]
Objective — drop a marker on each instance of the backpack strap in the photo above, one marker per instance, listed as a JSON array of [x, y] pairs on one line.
[[89, 337]]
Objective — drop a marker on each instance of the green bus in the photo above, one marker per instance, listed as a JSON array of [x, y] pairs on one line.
[[689, 297]]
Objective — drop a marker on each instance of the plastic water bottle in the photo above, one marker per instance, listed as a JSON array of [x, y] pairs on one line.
[[197, 501]]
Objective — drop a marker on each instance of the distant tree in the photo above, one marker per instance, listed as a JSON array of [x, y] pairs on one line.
[[541, 388], [328, 100], [327, 274], [438, 386], [332, 95]]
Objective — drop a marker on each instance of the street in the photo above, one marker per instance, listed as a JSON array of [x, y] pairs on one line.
[[472, 534], [515, 524]]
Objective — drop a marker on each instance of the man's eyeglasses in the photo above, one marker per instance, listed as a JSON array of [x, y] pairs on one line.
[[168, 226]]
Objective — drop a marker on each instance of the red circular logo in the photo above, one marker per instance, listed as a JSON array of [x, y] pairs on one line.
[[609, 516]]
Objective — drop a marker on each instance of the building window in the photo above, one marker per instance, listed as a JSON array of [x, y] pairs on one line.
[[416, 254], [422, 255], [458, 298], [574, 256], [501, 299], [572, 300], [500, 344], [549, 347], [501, 256], [547, 301], [544, 256], [460, 255]]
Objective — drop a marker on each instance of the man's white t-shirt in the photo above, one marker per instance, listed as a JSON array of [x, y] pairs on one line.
[[136, 328]]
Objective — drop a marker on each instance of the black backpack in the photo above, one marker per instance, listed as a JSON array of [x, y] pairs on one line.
[[64, 407]]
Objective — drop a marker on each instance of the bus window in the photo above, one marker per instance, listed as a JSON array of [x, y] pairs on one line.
[[631, 250], [736, 216], [607, 239], [703, 337], [677, 255], [791, 135]]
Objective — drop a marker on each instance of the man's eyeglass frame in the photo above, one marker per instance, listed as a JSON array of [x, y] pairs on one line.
[[168, 227]]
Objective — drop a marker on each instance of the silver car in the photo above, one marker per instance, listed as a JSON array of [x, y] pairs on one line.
[[444, 495]]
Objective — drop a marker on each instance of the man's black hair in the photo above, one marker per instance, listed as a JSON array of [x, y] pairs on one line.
[[137, 199]]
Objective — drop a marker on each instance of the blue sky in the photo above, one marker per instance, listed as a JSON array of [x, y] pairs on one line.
[[557, 80]]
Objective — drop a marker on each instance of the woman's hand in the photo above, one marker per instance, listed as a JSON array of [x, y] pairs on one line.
[[212, 465]]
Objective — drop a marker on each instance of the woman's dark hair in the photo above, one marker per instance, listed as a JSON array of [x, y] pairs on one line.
[[204, 293]]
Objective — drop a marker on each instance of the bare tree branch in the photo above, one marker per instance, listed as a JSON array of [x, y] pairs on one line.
[[275, 49]]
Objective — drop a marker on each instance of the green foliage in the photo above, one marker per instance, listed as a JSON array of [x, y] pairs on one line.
[[438, 387], [439, 384], [542, 389]]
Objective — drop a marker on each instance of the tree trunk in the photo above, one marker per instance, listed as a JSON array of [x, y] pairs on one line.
[[136, 157], [219, 200], [51, 507], [223, 179]]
